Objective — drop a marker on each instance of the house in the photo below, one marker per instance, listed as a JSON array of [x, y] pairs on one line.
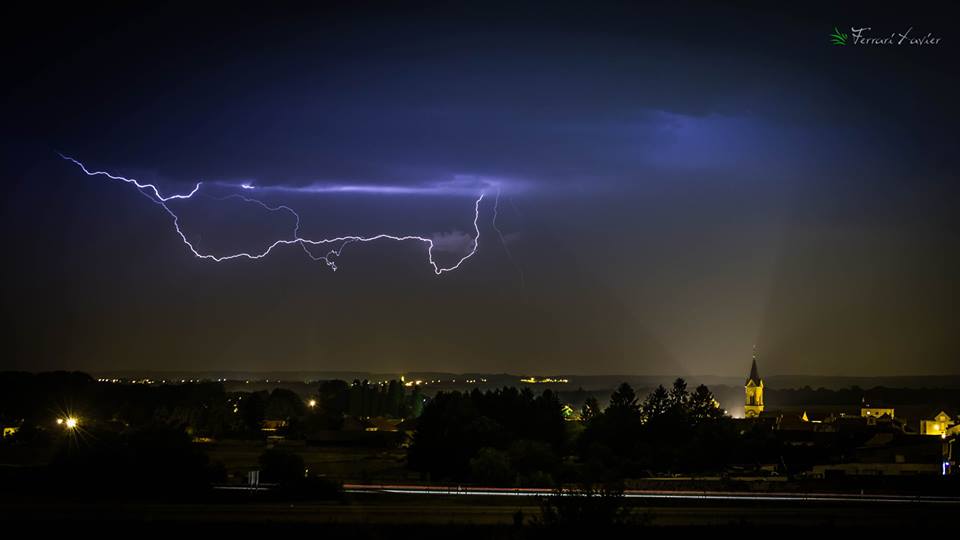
[[869, 411], [272, 425], [891, 454], [938, 426]]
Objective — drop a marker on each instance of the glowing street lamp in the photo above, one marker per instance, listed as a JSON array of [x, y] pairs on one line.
[[312, 403]]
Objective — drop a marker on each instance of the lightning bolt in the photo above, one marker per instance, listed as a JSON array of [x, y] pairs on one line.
[[332, 247]]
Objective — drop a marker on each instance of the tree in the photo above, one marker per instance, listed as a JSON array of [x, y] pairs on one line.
[[491, 467], [416, 402], [333, 397], [703, 407], [284, 404], [454, 427], [590, 409], [587, 510], [151, 459], [614, 432], [679, 395], [623, 400], [656, 405], [394, 399], [529, 457], [252, 408]]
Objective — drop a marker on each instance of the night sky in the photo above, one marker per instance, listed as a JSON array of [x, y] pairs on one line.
[[678, 183]]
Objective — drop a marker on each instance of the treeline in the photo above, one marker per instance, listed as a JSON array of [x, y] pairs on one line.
[[334, 401], [514, 438], [366, 399], [38, 399], [669, 431], [155, 461], [490, 437], [34, 401], [944, 398]]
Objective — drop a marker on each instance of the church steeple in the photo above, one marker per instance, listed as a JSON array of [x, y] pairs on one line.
[[754, 373], [754, 390]]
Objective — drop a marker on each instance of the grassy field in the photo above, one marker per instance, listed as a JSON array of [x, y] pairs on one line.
[[494, 516], [352, 464]]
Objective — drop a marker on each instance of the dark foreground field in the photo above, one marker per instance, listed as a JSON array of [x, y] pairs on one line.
[[372, 515]]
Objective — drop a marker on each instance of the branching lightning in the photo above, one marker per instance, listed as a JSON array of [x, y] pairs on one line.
[[332, 247]]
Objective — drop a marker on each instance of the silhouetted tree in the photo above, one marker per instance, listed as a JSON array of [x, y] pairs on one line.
[[284, 404], [587, 510], [394, 399], [455, 426], [703, 407], [670, 430], [252, 409], [590, 409], [624, 399], [156, 460], [491, 467], [656, 405], [332, 397], [678, 395], [614, 432]]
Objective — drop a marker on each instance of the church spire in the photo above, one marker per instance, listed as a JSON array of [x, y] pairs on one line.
[[754, 372], [754, 390]]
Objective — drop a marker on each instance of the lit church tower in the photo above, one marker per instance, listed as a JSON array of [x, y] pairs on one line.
[[754, 389]]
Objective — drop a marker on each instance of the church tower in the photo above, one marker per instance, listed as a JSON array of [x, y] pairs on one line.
[[754, 390]]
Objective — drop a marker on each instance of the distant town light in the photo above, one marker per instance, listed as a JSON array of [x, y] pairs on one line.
[[541, 380], [71, 423], [312, 403]]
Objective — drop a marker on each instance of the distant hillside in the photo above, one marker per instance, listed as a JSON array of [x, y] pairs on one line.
[[589, 382]]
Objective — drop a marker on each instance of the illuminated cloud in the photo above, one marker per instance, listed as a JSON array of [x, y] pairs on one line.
[[452, 242], [460, 185]]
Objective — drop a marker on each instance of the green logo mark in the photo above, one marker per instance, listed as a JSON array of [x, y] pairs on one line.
[[838, 37]]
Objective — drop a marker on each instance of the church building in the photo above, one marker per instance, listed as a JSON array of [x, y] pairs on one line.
[[754, 389]]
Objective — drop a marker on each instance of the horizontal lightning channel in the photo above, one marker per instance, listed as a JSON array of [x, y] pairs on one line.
[[334, 246]]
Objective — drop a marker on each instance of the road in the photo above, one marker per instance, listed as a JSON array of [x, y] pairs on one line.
[[657, 495], [418, 506]]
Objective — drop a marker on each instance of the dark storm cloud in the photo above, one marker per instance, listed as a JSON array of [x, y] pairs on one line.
[[679, 183]]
